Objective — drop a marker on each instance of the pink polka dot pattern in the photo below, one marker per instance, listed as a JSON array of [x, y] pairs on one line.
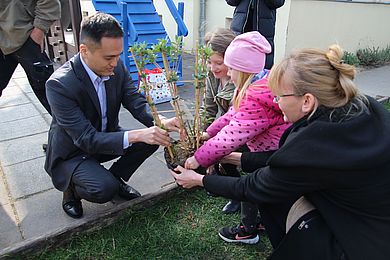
[[257, 123]]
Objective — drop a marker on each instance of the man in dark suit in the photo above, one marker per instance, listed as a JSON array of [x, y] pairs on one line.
[[85, 96]]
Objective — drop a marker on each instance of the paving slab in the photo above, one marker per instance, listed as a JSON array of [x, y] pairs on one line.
[[12, 95], [19, 73], [42, 214], [19, 128], [9, 229], [22, 149], [27, 178], [23, 84], [374, 82], [152, 175], [13, 113]]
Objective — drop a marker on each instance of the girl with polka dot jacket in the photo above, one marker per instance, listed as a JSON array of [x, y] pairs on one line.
[[254, 119]]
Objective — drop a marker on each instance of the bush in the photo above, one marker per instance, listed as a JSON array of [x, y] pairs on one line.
[[387, 106], [373, 56], [350, 58], [368, 57]]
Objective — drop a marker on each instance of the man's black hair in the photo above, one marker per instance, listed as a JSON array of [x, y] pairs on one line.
[[99, 25]]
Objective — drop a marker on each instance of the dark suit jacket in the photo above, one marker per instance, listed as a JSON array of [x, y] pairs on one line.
[[75, 132]]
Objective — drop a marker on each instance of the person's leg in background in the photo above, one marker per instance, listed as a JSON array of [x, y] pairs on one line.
[[38, 68], [274, 218], [246, 232], [231, 170], [8, 65], [232, 206]]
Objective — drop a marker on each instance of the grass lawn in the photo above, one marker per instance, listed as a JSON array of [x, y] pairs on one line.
[[387, 105], [182, 227]]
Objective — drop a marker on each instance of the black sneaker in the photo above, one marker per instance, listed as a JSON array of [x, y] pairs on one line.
[[238, 235]]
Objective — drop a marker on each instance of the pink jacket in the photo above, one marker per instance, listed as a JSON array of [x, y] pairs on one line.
[[258, 123]]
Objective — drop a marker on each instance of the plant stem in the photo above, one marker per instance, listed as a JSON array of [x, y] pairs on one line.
[[150, 101]]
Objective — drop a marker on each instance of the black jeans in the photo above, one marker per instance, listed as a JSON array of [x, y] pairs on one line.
[[249, 211], [95, 183], [35, 63]]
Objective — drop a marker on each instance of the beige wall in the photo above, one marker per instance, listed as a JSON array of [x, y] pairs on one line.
[[218, 14], [352, 25], [300, 23], [191, 19], [280, 39], [87, 6]]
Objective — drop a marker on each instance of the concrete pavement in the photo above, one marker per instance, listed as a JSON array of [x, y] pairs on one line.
[[375, 82], [30, 208]]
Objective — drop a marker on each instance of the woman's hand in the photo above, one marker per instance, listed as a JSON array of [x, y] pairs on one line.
[[232, 158], [191, 163], [187, 178]]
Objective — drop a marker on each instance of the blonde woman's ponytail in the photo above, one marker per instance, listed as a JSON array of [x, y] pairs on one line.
[[345, 85]]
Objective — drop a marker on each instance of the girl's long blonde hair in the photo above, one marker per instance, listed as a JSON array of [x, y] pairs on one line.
[[243, 82]]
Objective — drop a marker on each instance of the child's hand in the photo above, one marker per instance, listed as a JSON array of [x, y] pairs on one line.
[[191, 163], [211, 170], [205, 136]]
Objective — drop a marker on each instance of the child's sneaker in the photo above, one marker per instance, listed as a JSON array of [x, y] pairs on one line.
[[238, 235]]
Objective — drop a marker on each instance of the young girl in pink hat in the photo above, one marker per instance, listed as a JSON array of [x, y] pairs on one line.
[[254, 120]]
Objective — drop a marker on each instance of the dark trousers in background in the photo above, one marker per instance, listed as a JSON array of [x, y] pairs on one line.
[[95, 183], [249, 211], [274, 218], [35, 63]]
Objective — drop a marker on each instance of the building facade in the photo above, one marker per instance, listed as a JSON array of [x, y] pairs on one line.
[[300, 23]]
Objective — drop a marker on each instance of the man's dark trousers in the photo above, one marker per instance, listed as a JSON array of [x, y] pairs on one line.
[[94, 183], [28, 55]]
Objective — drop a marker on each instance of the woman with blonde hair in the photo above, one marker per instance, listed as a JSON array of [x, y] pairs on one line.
[[325, 194]]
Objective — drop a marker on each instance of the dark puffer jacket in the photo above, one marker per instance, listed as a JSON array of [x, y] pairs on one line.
[[256, 15]]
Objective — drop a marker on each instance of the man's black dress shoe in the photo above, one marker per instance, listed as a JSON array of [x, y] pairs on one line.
[[71, 204], [126, 191]]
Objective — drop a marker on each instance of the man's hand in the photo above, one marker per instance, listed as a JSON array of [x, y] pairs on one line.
[[151, 135], [171, 124], [38, 36], [191, 163], [187, 178]]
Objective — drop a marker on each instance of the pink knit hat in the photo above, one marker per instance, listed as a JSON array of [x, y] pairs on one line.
[[246, 52]]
